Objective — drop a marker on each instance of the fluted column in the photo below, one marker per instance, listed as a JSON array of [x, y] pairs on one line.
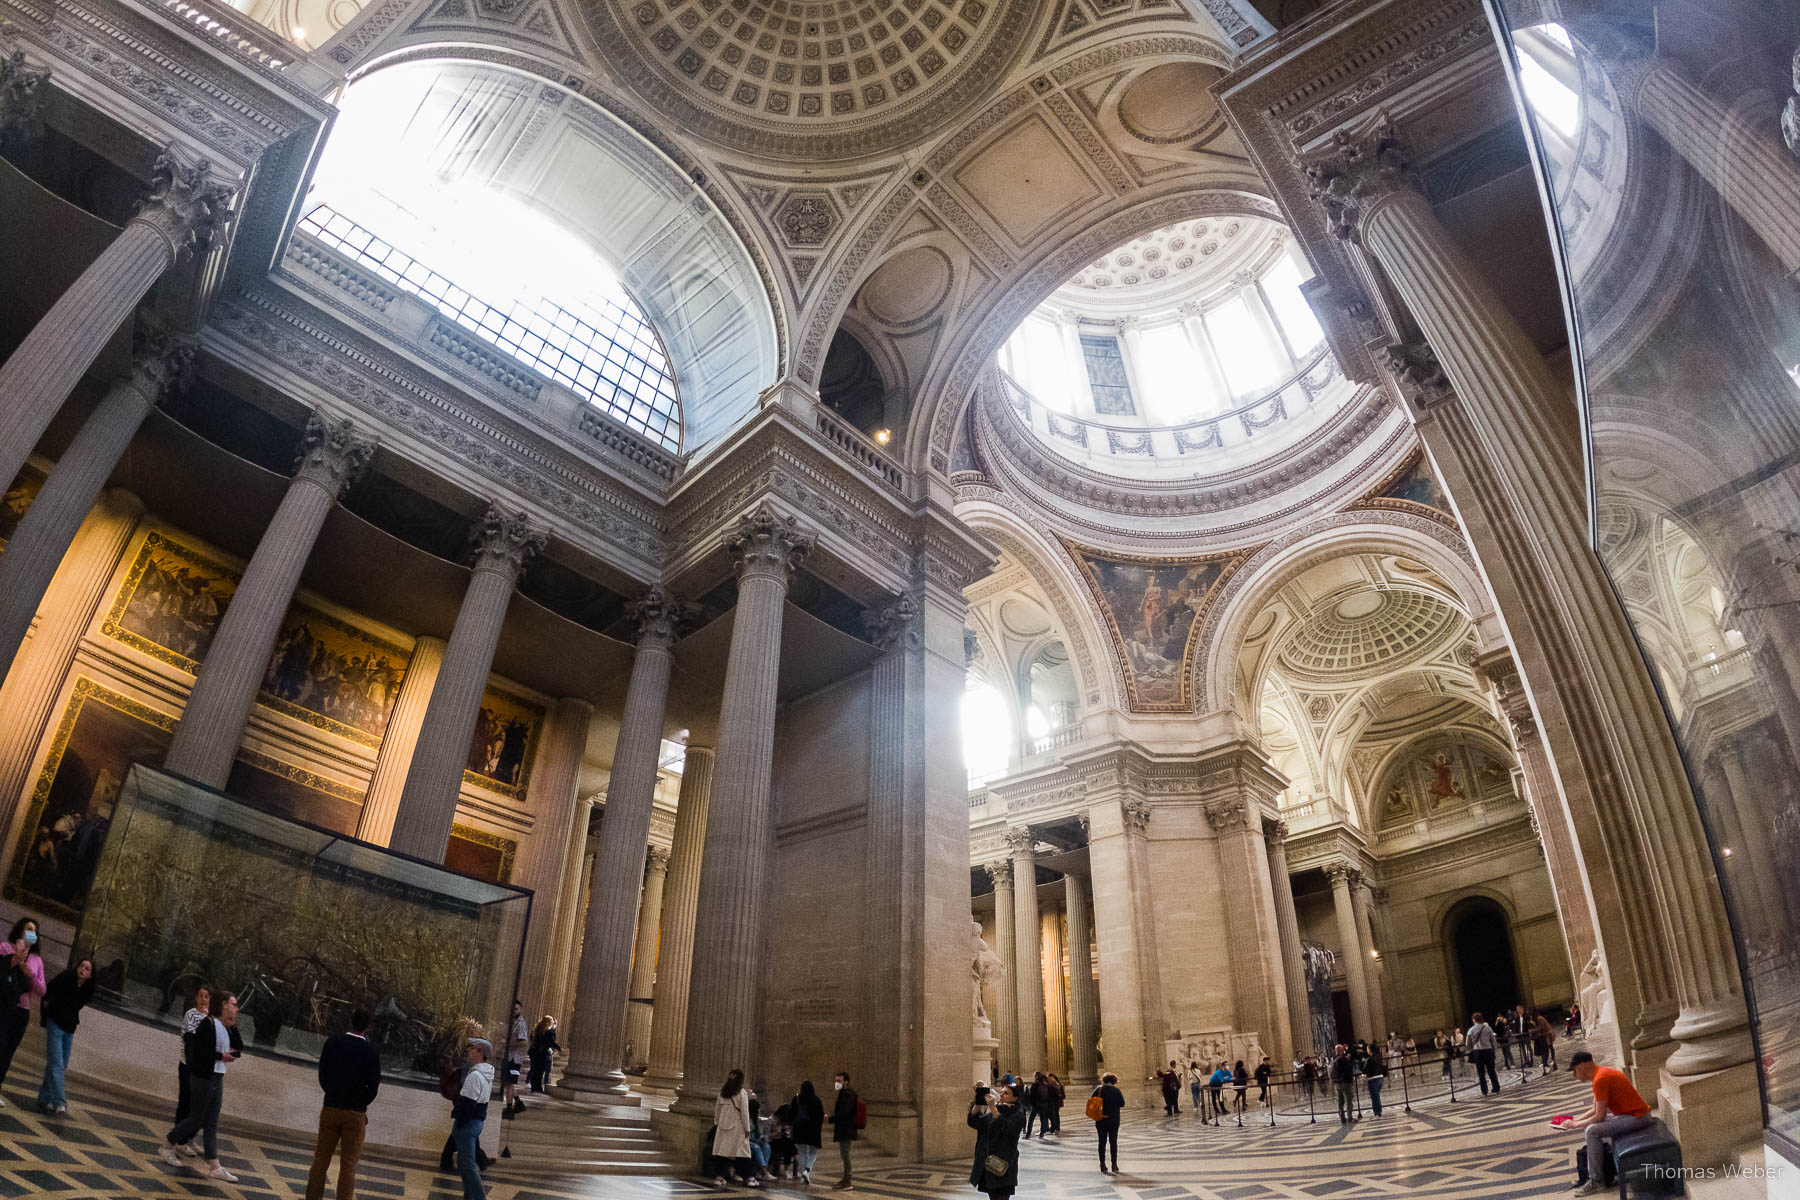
[[1056, 1011], [1259, 985], [1131, 352], [638, 1010], [37, 671], [1257, 305], [1084, 1001], [728, 921], [565, 934], [180, 214], [891, 841], [1006, 1019], [212, 723], [1200, 341], [1508, 444], [1372, 967], [159, 366], [602, 990], [1750, 844], [555, 777], [1028, 952], [503, 543], [1348, 938], [394, 759], [1130, 995], [681, 894], [1736, 149], [1081, 395], [1287, 926]]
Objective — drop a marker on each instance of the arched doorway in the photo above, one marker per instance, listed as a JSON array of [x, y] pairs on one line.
[[1484, 976]]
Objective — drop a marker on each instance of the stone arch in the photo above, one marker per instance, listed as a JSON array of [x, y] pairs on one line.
[[1451, 911], [1271, 568], [1488, 740]]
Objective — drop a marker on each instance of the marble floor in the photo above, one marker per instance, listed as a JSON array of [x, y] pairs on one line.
[[1495, 1148]]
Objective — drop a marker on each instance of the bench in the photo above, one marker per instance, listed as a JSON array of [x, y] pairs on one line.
[[1648, 1163]]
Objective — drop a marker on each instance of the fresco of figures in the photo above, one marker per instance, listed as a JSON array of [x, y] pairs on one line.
[[501, 746], [18, 498], [1152, 607], [1439, 774], [330, 669]]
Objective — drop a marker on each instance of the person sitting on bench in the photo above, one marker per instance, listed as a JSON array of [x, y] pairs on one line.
[[1617, 1110]]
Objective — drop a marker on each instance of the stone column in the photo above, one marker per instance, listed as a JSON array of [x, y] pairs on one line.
[[602, 990], [503, 543], [1264, 316], [566, 934], [668, 1029], [1750, 844], [638, 1011], [1508, 445], [1287, 925], [37, 546], [1084, 1003], [398, 740], [1081, 394], [1028, 952], [1574, 907], [1259, 984], [37, 671], [1131, 352], [1006, 1018], [212, 723], [555, 775], [728, 918], [180, 215], [1736, 149], [1201, 341], [1348, 938], [1056, 1012], [890, 903], [1372, 967]]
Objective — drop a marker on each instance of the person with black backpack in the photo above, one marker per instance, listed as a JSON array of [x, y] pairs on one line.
[[23, 979]]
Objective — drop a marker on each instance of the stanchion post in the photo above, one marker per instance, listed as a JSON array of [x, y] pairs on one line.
[[1405, 1088]]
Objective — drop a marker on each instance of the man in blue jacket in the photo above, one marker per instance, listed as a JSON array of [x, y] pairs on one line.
[[350, 1075]]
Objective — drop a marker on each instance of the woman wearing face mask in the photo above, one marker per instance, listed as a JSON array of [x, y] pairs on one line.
[[998, 1121], [24, 979], [60, 1012]]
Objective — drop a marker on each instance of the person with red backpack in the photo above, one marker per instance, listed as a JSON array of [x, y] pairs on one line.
[[848, 1116]]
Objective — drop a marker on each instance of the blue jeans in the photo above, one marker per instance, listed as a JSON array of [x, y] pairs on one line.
[[59, 1043], [1194, 1093], [1375, 1083], [466, 1134]]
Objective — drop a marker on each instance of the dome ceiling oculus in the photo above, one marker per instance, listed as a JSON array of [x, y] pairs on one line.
[[836, 79]]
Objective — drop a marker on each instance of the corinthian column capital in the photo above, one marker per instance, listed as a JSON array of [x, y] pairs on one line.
[[1228, 816], [890, 625], [767, 544], [162, 365], [656, 861], [1020, 843], [659, 616], [23, 92], [1339, 873], [1275, 831], [503, 542], [184, 204], [1352, 177], [331, 455], [1000, 872]]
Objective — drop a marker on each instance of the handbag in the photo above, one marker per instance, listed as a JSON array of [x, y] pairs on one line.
[[996, 1165]]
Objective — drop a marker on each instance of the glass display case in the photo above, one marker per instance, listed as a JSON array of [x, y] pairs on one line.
[[302, 924], [1667, 141]]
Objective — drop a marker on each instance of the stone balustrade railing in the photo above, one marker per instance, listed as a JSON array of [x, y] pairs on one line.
[[860, 449], [225, 25]]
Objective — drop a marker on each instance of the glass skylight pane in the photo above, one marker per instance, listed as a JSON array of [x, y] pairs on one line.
[[1252, 365]]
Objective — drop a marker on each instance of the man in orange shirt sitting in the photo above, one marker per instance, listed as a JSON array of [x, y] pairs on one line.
[[1618, 1109]]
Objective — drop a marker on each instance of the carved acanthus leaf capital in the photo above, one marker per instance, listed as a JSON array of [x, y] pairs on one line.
[[331, 454], [1356, 174], [1339, 873], [891, 625], [1418, 375], [1000, 872], [659, 617], [656, 861], [1137, 816], [767, 544], [1275, 831], [23, 92], [1020, 843], [185, 204], [1228, 816], [162, 364], [505, 541]]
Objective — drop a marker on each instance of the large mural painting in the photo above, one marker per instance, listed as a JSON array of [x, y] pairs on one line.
[[501, 748], [326, 672], [1152, 608]]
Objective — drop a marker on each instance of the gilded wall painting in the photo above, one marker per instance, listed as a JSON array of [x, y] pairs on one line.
[[100, 734], [290, 791], [503, 743], [324, 671], [1410, 487], [18, 498], [1441, 774], [1152, 608]]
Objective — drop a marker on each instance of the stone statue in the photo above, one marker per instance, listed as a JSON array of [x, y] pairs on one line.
[[984, 967], [1596, 997]]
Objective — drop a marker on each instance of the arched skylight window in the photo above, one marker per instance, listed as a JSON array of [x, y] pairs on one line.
[[987, 733], [408, 198]]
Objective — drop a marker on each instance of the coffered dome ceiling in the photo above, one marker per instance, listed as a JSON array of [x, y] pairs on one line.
[[838, 79], [1368, 631]]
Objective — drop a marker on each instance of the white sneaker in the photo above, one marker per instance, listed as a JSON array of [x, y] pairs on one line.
[[219, 1172], [753, 1181], [168, 1155], [187, 1150], [719, 1182], [62, 1110]]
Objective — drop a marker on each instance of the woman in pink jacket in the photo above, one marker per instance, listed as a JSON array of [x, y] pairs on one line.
[[24, 978]]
